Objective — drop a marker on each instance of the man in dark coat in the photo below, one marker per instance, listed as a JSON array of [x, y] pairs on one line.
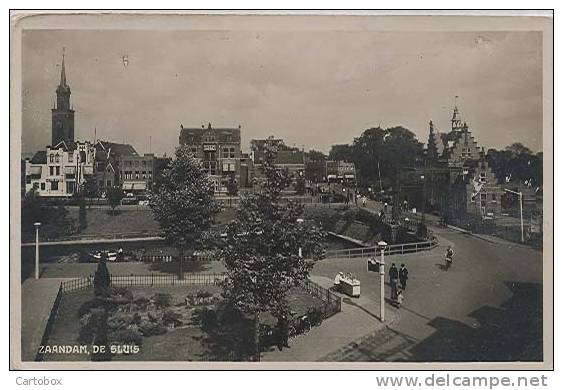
[[393, 279], [403, 276]]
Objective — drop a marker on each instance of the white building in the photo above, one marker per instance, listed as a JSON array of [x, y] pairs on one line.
[[60, 170]]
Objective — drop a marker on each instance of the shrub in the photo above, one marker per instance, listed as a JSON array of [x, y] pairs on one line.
[[123, 320], [206, 317], [148, 329], [126, 336], [162, 300], [96, 303], [171, 317]]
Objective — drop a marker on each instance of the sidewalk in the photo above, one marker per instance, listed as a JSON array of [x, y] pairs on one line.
[[38, 297], [359, 317]]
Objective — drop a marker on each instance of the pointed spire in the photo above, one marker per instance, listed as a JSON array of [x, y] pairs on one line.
[[63, 73]]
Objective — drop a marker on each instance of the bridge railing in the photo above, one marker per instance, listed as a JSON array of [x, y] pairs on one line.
[[372, 251]]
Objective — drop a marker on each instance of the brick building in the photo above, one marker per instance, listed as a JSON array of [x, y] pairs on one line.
[[218, 149]]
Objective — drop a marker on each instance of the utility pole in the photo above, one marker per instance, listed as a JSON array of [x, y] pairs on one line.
[[37, 225], [382, 245]]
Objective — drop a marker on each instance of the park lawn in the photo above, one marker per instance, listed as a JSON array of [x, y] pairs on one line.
[[129, 221], [185, 343]]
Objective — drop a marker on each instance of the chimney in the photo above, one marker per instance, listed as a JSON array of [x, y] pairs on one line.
[[209, 125]]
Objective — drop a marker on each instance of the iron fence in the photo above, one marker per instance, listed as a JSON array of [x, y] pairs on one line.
[[166, 280], [332, 302]]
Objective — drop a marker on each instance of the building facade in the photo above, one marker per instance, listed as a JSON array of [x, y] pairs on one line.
[[60, 170], [218, 149], [340, 172], [458, 179], [137, 172]]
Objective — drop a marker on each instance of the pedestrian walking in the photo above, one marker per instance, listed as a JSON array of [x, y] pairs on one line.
[[393, 279], [403, 276], [364, 200], [405, 205]]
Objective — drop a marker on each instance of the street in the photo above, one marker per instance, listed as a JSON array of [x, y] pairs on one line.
[[487, 307]]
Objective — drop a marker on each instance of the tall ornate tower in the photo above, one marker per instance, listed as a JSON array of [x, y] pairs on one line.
[[457, 124], [62, 114]]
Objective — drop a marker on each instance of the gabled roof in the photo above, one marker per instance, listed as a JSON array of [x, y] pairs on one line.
[[220, 134], [116, 148], [40, 157]]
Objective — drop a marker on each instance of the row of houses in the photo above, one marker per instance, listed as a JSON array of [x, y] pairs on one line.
[[66, 166]]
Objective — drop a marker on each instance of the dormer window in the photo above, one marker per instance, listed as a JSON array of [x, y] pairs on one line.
[[51, 158], [57, 158]]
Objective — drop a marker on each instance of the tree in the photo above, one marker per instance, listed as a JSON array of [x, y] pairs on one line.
[[102, 278], [114, 196], [517, 163], [232, 185], [183, 204], [261, 252]]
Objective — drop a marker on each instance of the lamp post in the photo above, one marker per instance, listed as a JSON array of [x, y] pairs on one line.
[[300, 222], [37, 225], [521, 216], [382, 245]]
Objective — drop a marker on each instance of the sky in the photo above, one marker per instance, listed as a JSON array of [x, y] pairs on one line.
[[311, 88]]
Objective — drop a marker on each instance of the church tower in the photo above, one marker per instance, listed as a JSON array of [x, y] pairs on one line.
[[62, 114]]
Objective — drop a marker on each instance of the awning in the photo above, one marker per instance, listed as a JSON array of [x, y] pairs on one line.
[[349, 176], [135, 185], [70, 170]]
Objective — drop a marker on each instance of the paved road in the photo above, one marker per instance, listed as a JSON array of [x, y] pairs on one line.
[[488, 306]]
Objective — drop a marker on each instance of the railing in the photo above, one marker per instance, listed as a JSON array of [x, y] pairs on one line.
[[389, 250], [166, 280], [77, 284], [204, 256], [332, 302]]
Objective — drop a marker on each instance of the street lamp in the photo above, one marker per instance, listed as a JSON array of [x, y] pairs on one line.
[[37, 225], [382, 245], [521, 216], [300, 222]]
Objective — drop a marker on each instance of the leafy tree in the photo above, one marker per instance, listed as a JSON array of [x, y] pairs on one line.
[[55, 221], [342, 152], [183, 204], [261, 252], [114, 196], [232, 185], [518, 163]]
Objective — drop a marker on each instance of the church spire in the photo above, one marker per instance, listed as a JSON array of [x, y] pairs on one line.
[[63, 73]]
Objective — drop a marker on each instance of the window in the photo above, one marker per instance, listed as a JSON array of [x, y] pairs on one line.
[[108, 183], [232, 150], [483, 177], [483, 198], [57, 158], [494, 197], [54, 185], [42, 186], [101, 183], [51, 158], [51, 171], [69, 187], [70, 157], [144, 163], [58, 169], [225, 152]]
